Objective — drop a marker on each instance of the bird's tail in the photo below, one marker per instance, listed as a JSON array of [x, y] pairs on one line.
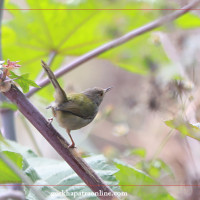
[[60, 95]]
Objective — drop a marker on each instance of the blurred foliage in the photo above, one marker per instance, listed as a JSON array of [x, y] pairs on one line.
[[141, 152], [45, 172], [7, 174], [155, 168], [8, 105], [188, 21], [184, 127], [138, 183], [32, 35]]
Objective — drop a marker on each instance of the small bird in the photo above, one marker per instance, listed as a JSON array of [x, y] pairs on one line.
[[74, 111]]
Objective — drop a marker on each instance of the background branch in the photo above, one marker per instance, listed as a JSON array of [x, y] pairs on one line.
[[58, 143], [117, 42]]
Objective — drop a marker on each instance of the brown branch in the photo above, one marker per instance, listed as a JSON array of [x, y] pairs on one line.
[[58, 143], [117, 42]]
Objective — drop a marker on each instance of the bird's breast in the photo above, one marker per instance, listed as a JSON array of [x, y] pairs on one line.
[[70, 121]]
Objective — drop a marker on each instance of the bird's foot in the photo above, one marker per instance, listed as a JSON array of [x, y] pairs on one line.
[[48, 107], [71, 146], [50, 120]]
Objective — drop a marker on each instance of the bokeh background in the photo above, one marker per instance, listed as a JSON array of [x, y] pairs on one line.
[[155, 78]]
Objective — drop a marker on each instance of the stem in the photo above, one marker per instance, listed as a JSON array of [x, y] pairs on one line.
[[30, 134], [7, 120], [117, 42], [71, 156], [162, 145]]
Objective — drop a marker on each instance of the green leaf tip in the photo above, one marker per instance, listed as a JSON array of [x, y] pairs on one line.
[[23, 81]]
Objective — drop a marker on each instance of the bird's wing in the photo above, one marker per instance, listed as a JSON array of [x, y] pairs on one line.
[[79, 105], [60, 95]]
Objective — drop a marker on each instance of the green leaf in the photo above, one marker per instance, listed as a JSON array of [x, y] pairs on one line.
[[134, 68], [188, 21], [139, 184], [138, 152], [58, 173], [26, 153], [16, 147], [184, 127], [7, 175], [89, 29], [21, 40], [44, 171], [156, 168], [8, 105], [23, 81]]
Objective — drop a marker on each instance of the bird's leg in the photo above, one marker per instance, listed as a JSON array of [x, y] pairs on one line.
[[72, 145], [48, 107], [50, 120]]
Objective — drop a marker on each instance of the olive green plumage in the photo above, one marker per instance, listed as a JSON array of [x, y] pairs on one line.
[[74, 111]]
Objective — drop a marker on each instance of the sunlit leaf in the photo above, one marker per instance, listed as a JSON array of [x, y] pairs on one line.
[[184, 127], [33, 35], [188, 21], [45, 172], [155, 168], [23, 81], [138, 152], [7, 174], [139, 184]]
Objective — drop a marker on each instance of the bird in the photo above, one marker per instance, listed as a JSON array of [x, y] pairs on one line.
[[76, 110]]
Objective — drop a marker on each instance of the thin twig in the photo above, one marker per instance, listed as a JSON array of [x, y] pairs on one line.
[[117, 42], [162, 145], [30, 134], [71, 156]]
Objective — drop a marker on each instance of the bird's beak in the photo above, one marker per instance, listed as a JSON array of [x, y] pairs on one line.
[[107, 89]]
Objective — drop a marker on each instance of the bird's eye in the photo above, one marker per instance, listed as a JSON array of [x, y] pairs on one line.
[[101, 94]]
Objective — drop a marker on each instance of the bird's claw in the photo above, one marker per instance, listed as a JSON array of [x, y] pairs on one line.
[[50, 120], [48, 107], [71, 146]]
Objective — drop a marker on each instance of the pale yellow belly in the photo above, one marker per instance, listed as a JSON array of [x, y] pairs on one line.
[[70, 121]]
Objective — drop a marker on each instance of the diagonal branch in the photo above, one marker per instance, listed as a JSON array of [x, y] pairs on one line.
[[71, 156], [117, 42]]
